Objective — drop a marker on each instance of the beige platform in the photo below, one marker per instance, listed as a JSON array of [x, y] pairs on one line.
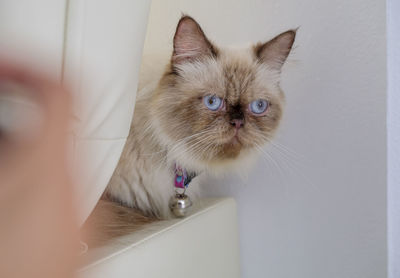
[[204, 244]]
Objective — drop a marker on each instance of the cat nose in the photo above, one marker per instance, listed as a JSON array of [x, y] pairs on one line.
[[238, 123]]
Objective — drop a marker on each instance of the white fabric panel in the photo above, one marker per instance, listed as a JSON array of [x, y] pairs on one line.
[[32, 33], [104, 41], [204, 244], [99, 156]]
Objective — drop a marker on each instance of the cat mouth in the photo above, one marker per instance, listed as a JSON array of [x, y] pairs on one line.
[[235, 141], [231, 148]]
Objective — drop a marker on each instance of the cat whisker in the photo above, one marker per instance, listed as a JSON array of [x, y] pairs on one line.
[[287, 150], [291, 164], [271, 159], [193, 146], [177, 143], [283, 150]]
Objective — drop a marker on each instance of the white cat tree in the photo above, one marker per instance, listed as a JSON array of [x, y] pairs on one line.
[[96, 47]]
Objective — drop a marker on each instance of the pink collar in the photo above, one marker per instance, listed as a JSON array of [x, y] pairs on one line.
[[182, 178]]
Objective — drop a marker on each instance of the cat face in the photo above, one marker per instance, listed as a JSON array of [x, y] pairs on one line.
[[216, 105]]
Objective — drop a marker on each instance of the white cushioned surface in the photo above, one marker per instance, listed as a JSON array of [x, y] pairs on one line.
[[27, 37], [204, 244], [103, 50]]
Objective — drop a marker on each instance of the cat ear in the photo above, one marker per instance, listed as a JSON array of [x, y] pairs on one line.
[[275, 51], [190, 42]]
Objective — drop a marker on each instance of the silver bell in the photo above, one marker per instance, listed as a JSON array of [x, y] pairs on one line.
[[180, 204]]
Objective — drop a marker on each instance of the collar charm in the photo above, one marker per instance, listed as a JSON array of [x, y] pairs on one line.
[[180, 202], [182, 179]]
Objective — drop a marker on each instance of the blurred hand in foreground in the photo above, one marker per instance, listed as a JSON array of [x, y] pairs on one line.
[[38, 234]]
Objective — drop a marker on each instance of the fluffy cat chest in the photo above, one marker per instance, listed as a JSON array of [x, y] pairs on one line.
[[145, 184]]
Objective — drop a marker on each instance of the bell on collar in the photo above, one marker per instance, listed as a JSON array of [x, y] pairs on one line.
[[180, 204]]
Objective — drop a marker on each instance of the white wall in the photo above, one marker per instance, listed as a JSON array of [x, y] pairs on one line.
[[323, 214], [393, 27]]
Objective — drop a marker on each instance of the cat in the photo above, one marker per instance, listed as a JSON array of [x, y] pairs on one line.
[[211, 112]]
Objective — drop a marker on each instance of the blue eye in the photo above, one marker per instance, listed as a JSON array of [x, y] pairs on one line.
[[212, 102], [258, 106]]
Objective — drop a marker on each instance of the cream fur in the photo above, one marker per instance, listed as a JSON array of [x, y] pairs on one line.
[[144, 176], [171, 124]]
